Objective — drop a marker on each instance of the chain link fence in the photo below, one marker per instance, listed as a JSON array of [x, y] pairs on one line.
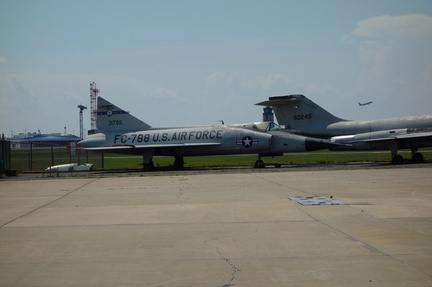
[[32, 158], [5, 156]]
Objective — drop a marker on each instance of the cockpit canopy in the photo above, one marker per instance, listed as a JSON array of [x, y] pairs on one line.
[[261, 126], [266, 126]]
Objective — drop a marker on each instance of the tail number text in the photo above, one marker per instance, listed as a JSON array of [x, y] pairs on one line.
[[302, 117]]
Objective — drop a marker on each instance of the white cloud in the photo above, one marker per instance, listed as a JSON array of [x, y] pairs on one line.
[[381, 36], [164, 93], [21, 95], [395, 58], [215, 78], [235, 84], [17, 101], [275, 83], [415, 26]]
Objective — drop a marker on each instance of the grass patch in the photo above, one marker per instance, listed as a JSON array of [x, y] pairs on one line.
[[322, 157], [42, 158]]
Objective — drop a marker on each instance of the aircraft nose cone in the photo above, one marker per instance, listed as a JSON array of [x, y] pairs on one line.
[[317, 144], [95, 140]]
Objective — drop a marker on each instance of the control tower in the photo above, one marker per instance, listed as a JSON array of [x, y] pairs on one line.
[[268, 115]]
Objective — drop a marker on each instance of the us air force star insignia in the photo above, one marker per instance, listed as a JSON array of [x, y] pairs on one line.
[[109, 113], [247, 141]]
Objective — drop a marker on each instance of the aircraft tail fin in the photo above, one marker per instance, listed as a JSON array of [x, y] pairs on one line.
[[299, 114], [112, 118]]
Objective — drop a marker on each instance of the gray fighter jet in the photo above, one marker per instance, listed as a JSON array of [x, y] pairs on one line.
[[304, 117], [119, 132]]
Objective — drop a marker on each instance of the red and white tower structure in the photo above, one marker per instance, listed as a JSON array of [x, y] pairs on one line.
[[93, 105]]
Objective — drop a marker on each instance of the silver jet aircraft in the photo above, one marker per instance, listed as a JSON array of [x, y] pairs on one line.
[[119, 132], [304, 117]]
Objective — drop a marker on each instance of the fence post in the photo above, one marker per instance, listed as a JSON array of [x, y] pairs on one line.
[[31, 156], [52, 156]]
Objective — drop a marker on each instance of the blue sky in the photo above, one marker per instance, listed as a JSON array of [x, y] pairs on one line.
[[179, 63]]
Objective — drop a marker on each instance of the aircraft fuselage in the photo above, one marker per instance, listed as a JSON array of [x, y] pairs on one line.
[[358, 127], [316, 128], [212, 140]]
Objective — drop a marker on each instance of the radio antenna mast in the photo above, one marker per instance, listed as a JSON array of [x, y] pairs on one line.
[[93, 107]]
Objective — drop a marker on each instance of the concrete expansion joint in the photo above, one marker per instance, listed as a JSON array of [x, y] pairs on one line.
[[234, 268], [366, 245], [283, 185], [348, 236], [48, 203]]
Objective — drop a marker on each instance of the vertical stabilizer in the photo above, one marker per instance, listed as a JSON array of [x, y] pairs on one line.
[[300, 115], [112, 118]]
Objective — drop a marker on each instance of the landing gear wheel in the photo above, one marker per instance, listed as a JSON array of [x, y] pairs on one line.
[[259, 164], [178, 163], [397, 159], [417, 157], [148, 161], [148, 166]]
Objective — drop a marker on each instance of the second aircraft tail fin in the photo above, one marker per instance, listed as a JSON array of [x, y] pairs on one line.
[[112, 118], [299, 114]]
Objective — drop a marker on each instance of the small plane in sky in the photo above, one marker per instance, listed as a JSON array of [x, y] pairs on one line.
[[304, 117], [120, 132], [365, 104]]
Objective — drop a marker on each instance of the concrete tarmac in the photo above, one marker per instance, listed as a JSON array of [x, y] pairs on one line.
[[218, 229]]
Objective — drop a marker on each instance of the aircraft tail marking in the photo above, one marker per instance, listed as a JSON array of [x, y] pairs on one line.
[[112, 118], [299, 114]]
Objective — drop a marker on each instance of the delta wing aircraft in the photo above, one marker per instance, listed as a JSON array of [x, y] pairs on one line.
[[119, 132], [304, 117]]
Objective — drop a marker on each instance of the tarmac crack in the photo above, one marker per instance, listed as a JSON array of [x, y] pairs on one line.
[[48, 203], [225, 259], [233, 267]]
